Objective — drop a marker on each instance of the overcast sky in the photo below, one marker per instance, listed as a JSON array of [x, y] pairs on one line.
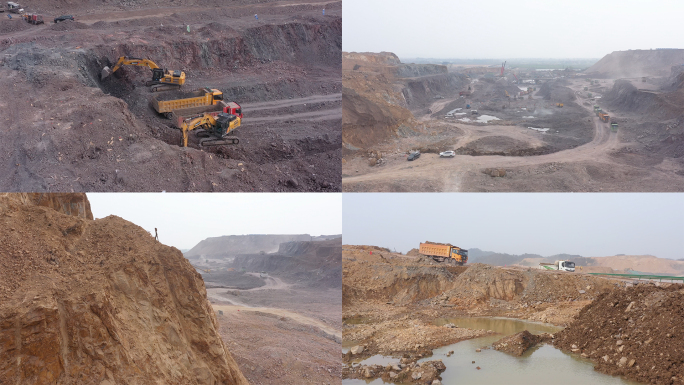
[[183, 220], [504, 29], [591, 225]]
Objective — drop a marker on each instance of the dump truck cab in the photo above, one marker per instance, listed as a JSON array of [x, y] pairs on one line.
[[216, 95], [460, 255], [565, 266]]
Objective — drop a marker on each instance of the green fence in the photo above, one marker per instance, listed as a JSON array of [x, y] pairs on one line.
[[644, 276]]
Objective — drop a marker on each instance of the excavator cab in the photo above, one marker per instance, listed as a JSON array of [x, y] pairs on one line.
[[223, 124], [157, 74]]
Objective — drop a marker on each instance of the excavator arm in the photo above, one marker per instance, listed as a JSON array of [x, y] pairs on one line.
[[204, 120], [129, 61], [218, 128]]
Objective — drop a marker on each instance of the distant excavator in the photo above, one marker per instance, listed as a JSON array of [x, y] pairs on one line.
[[215, 130], [162, 79]]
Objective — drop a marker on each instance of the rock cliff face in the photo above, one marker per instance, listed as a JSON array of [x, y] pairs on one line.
[[380, 95], [99, 302]]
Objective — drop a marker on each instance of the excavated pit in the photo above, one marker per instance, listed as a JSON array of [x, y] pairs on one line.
[[293, 58]]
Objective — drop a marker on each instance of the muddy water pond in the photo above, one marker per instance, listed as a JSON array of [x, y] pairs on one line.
[[541, 365]]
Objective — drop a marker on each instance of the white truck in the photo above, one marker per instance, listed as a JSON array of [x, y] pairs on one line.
[[558, 265]]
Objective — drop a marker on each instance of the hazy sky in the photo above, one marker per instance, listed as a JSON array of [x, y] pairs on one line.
[[505, 29], [183, 220], [591, 225]]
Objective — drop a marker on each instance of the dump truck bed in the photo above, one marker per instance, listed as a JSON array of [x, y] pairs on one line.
[[435, 249], [169, 103]]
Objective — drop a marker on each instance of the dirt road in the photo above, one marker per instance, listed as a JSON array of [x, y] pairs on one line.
[[283, 313], [432, 173], [432, 167]]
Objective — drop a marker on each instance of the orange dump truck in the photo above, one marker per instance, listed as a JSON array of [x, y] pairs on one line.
[[604, 117], [441, 252], [204, 97]]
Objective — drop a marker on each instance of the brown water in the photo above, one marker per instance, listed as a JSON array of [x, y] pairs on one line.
[[541, 365]]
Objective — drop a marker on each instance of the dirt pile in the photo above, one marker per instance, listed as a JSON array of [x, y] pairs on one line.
[[100, 301], [636, 63], [518, 343], [635, 332]]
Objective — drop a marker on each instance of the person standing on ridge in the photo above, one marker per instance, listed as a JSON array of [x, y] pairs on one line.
[[156, 236]]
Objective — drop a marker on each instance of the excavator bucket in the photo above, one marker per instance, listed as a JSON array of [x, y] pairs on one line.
[[106, 71]]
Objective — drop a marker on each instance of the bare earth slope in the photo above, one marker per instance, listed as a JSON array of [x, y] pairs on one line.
[[100, 301], [636, 63], [635, 332]]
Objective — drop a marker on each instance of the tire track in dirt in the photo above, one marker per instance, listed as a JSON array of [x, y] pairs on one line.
[[433, 168], [282, 313]]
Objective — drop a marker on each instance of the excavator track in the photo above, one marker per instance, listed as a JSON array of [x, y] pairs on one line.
[[206, 142]]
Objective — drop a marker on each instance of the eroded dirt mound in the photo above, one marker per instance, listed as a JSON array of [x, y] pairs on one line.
[[100, 301], [518, 343], [636, 63], [636, 333]]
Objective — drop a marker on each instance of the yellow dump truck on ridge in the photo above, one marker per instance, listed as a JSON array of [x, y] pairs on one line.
[[441, 252], [200, 98]]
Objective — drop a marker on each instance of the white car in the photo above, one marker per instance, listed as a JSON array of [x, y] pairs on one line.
[[447, 154]]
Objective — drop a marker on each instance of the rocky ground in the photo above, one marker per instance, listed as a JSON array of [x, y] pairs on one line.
[[518, 343], [284, 325], [67, 130], [634, 332], [293, 335]]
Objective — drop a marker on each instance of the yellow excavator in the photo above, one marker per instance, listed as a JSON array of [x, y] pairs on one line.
[[214, 130], [162, 79]]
